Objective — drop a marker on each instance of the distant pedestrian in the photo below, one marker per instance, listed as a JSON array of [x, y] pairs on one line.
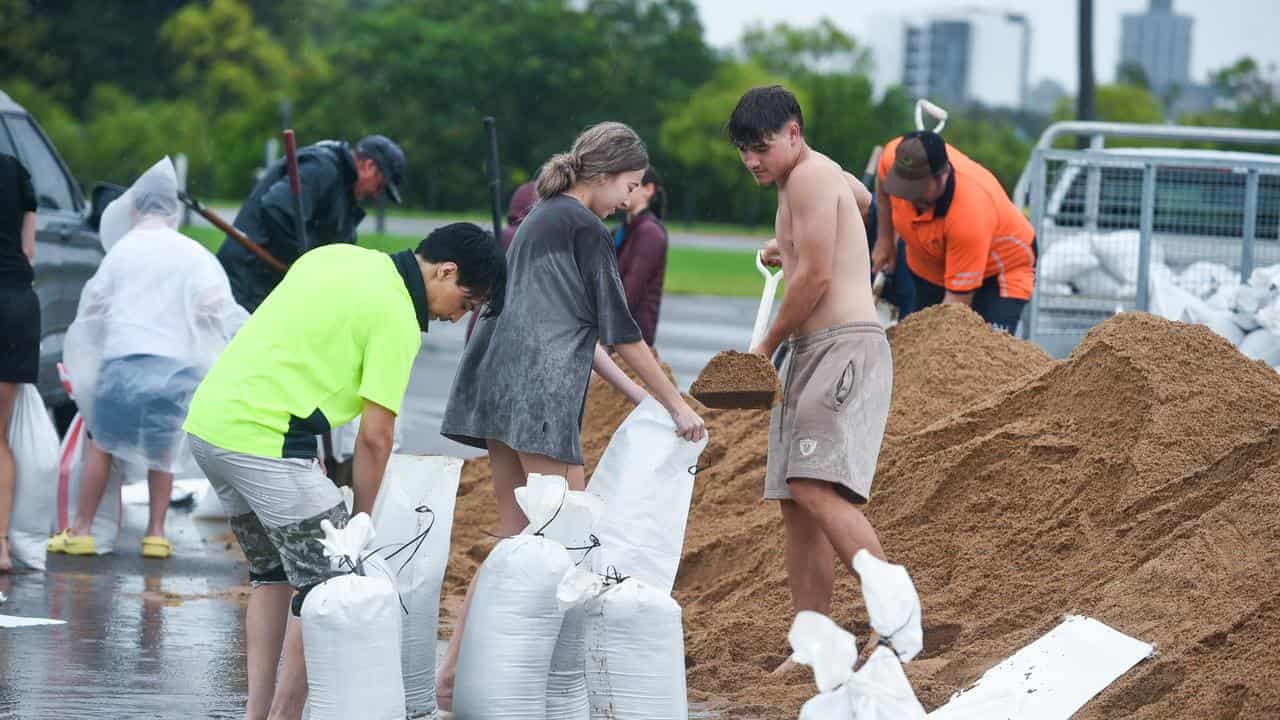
[[19, 319], [641, 244]]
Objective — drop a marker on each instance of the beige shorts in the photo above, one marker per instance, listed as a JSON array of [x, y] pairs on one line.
[[836, 387]]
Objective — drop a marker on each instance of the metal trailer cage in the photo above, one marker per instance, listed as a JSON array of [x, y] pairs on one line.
[[1108, 219]]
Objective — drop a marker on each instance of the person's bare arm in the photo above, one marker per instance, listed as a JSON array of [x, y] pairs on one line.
[[951, 298], [860, 193], [639, 357], [612, 374], [373, 448], [29, 236], [813, 234]]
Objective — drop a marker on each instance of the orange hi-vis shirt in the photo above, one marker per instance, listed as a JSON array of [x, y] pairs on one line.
[[974, 231]]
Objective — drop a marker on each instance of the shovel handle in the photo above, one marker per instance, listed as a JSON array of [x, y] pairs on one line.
[[771, 280]]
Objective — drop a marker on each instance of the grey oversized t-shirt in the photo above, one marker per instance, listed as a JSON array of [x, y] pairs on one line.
[[524, 374]]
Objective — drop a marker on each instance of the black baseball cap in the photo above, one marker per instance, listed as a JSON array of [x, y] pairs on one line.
[[390, 161], [921, 155]]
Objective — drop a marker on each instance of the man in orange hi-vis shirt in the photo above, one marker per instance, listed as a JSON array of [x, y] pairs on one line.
[[966, 242]]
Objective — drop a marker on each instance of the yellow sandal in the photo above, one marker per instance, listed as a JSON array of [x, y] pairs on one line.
[[65, 542], [156, 546]]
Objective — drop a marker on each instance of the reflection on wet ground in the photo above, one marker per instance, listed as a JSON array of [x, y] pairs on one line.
[[142, 639]]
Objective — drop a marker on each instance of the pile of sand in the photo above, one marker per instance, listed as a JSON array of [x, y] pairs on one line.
[[1133, 482], [944, 357]]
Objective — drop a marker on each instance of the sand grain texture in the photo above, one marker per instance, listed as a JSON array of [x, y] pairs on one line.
[[1136, 482]]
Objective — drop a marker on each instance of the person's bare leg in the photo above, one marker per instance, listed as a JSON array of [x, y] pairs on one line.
[[264, 626], [508, 474], [846, 528], [574, 475], [8, 471], [159, 490], [811, 565], [93, 484], [291, 686]]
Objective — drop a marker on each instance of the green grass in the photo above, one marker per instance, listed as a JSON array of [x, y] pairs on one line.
[[720, 228], [690, 271]]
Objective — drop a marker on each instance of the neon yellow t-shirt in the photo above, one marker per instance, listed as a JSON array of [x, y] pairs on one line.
[[344, 326]]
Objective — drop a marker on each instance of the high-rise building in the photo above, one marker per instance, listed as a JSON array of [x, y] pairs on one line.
[[956, 56], [1158, 41]]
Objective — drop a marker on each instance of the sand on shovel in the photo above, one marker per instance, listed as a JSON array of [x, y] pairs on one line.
[[735, 380]]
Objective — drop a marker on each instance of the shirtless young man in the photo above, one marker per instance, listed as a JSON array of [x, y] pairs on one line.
[[824, 438]]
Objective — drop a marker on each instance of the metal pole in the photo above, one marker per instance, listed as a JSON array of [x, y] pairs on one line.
[[1250, 224], [1145, 229], [495, 177], [1039, 170]]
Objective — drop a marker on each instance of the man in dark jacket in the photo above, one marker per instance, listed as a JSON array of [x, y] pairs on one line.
[[336, 178]]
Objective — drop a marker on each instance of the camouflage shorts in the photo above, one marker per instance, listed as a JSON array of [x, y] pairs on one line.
[[290, 553], [275, 506]]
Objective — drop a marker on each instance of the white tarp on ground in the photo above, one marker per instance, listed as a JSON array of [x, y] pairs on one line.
[[1051, 678], [14, 621]]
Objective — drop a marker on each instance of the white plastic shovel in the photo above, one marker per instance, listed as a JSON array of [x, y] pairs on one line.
[[771, 280]]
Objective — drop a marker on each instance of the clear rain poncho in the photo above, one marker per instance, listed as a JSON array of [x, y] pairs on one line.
[[150, 323]]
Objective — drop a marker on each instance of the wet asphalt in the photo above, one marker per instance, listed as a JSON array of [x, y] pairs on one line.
[[165, 638]]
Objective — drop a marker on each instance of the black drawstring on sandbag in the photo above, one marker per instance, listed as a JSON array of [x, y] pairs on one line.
[[613, 577], [595, 543], [417, 541], [564, 496]]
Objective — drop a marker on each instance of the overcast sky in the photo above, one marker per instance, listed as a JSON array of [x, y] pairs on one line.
[[1223, 31]]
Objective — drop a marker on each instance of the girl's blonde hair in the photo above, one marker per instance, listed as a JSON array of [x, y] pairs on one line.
[[604, 149]]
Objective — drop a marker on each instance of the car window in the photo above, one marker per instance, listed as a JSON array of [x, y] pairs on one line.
[[1189, 201], [52, 190]]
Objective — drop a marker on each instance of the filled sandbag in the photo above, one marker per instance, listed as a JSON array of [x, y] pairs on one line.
[[1221, 322], [635, 654], [645, 483], [1098, 283], [34, 442], [515, 618], [1067, 258], [567, 679], [1118, 254], [893, 605], [413, 519], [1204, 278], [351, 632], [1262, 344]]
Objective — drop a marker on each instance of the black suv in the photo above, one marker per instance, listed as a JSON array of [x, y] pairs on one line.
[[67, 246]]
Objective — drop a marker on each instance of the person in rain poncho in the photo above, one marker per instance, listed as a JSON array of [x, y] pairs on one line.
[[150, 323]]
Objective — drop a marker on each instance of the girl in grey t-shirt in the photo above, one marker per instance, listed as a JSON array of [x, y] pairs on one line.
[[522, 383]]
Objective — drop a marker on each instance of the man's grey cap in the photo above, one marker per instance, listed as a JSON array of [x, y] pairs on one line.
[[390, 161]]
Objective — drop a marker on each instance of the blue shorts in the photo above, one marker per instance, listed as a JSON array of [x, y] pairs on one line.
[[140, 404]]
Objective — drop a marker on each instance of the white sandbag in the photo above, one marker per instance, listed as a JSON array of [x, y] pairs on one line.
[[1219, 321], [34, 442], [893, 605], [1067, 258], [208, 506], [645, 484], [567, 679], [1168, 299], [879, 690], [1057, 289], [515, 617], [416, 497], [1249, 300], [107, 520], [635, 654], [351, 632], [830, 650], [1269, 316], [1224, 298], [1262, 344], [1203, 278], [1118, 253], [569, 514], [1266, 278], [1098, 283]]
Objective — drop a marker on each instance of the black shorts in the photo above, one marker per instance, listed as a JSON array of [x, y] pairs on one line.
[[1000, 313], [19, 335]]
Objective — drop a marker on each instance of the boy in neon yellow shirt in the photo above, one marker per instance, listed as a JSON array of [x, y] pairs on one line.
[[336, 339]]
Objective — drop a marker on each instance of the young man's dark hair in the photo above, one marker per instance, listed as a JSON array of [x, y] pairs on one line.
[[761, 112], [482, 267]]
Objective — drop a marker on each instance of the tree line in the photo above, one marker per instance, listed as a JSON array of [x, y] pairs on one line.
[[117, 85]]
